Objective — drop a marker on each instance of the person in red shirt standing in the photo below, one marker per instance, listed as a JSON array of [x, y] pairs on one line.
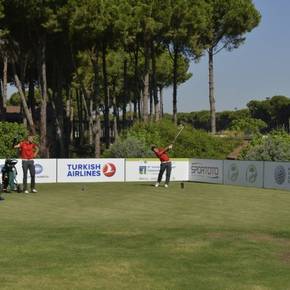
[[165, 164], [28, 151]]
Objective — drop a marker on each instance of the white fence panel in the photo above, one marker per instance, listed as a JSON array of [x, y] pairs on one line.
[[90, 170], [277, 175], [147, 170], [244, 173], [206, 170]]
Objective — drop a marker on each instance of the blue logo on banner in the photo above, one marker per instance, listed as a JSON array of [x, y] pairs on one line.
[[38, 168], [142, 169]]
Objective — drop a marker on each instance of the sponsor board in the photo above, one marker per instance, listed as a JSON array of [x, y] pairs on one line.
[[147, 170], [245, 173], [90, 170], [203, 170], [277, 175], [45, 170]]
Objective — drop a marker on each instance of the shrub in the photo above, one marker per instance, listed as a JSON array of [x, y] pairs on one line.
[[129, 147], [248, 126], [9, 131], [273, 147], [190, 143]]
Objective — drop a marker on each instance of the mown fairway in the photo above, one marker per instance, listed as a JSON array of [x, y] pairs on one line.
[[135, 236]]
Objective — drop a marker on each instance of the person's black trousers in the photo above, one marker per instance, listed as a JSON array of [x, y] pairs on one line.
[[165, 166], [28, 165]]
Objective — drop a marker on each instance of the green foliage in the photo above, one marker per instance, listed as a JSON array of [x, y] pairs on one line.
[[201, 119], [129, 147], [15, 99], [9, 131], [229, 21], [273, 147], [274, 111], [248, 126], [190, 143]]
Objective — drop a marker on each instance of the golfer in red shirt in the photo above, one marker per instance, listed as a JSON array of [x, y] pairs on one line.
[[165, 164], [28, 151]]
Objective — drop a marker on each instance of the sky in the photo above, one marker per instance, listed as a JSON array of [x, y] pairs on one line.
[[258, 69]]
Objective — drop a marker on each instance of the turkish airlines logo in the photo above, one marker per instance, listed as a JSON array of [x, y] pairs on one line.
[[109, 169]]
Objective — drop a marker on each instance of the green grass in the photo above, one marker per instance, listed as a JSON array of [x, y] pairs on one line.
[[135, 236]]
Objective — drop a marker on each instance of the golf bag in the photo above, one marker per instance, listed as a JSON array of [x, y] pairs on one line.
[[9, 173]]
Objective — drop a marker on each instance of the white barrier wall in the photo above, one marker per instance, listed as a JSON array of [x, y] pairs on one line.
[[45, 170], [205, 170], [90, 170], [147, 170], [277, 175], [245, 173]]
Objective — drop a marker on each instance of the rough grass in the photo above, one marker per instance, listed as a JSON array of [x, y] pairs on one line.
[[135, 236]]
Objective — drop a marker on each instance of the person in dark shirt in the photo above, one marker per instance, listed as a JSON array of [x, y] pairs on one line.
[[165, 164], [28, 151]]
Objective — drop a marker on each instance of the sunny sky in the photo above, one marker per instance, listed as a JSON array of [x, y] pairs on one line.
[[258, 69]]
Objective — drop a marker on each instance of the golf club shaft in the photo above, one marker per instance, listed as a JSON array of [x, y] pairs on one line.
[[177, 135]]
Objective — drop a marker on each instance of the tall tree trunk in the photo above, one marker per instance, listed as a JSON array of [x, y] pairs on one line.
[[58, 124], [106, 95], [3, 100], [125, 94], [137, 89], [154, 84], [146, 80], [96, 103], [115, 123], [175, 66], [161, 101], [98, 135], [211, 91], [150, 103], [31, 95], [140, 105], [44, 97], [68, 122], [71, 121], [91, 122], [80, 117], [23, 100]]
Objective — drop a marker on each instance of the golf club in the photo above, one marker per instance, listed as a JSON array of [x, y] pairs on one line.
[[178, 133]]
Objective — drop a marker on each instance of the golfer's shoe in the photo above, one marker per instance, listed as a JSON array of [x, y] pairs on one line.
[[34, 190], [165, 185], [26, 191], [157, 184]]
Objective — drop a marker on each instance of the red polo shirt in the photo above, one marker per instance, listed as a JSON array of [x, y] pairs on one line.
[[161, 154], [27, 150]]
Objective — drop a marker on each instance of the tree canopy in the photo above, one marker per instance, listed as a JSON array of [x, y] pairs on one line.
[[86, 70]]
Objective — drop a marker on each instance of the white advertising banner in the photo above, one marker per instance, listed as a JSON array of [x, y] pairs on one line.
[[45, 170], [90, 170], [245, 173], [147, 170], [277, 175], [206, 170]]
